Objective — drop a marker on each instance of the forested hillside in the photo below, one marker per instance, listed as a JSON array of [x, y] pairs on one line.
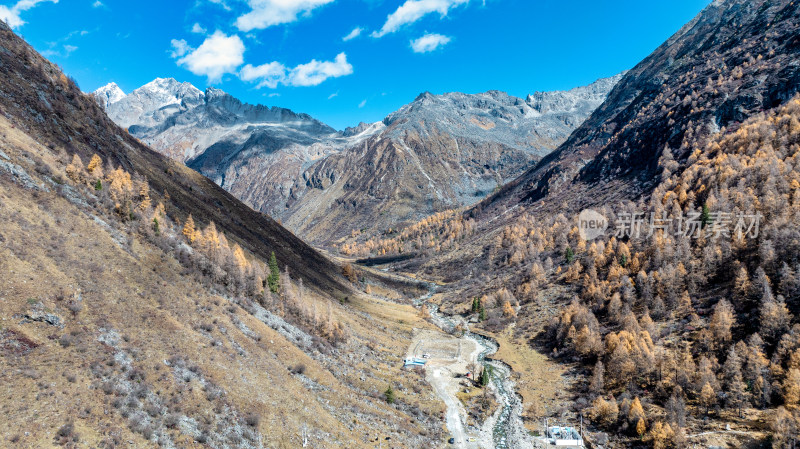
[[682, 317]]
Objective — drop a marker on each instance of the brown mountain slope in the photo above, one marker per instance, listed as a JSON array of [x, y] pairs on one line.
[[107, 341], [37, 97], [737, 57], [385, 183], [118, 331]]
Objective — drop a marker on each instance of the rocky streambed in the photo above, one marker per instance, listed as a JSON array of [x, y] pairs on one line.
[[504, 429]]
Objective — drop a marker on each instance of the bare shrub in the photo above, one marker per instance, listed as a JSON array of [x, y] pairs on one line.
[[252, 419]]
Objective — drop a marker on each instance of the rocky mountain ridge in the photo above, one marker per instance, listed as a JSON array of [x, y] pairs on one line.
[[305, 173]]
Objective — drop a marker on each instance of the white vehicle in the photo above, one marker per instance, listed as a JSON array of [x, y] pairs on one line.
[[426, 356]]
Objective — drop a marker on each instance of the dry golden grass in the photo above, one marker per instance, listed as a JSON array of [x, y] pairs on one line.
[[62, 259], [539, 379]]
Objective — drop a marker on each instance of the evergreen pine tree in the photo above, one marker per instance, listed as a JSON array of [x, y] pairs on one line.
[[273, 280], [705, 216], [486, 375], [389, 395]]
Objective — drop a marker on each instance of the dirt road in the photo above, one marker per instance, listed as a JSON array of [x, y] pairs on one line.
[[448, 359]]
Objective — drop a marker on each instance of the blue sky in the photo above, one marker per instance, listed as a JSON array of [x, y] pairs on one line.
[[294, 53]]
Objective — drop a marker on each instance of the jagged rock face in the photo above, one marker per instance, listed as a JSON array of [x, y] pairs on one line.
[[535, 125], [438, 152], [182, 121], [736, 58], [110, 93]]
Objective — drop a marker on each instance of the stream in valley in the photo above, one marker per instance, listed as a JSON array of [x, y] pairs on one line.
[[507, 430]]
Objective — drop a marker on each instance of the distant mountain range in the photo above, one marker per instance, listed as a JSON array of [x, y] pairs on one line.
[[435, 153]]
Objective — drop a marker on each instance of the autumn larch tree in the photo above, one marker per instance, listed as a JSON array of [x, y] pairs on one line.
[[95, 167], [661, 435], [189, 230], [708, 397], [75, 170], [508, 310], [722, 321]]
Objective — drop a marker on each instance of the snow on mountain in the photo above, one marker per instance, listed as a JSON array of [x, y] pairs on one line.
[[435, 153], [182, 121], [154, 102], [110, 93], [537, 124]]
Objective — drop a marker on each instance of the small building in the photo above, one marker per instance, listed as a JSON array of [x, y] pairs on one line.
[[564, 436], [412, 362]]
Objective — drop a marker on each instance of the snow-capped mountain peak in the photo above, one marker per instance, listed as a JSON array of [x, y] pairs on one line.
[[108, 94], [152, 98]]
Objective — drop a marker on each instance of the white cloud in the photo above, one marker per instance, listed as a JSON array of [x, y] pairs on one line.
[[98, 4], [413, 10], [311, 73], [274, 94], [315, 72], [268, 75], [353, 34], [63, 51], [266, 13], [198, 29], [217, 55], [179, 48], [429, 42], [72, 34], [60, 46], [221, 3], [11, 15], [333, 95], [363, 103]]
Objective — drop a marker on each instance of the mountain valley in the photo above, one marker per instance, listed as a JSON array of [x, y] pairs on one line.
[[612, 266]]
